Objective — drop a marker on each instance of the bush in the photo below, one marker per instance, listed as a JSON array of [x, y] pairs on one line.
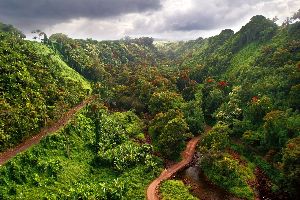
[[226, 172], [213, 101], [169, 130], [291, 165], [217, 139], [130, 122], [194, 117], [163, 101], [257, 109], [240, 126], [279, 126], [230, 110], [125, 155], [253, 138], [175, 190]]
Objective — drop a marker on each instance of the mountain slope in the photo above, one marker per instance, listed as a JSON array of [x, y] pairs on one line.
[[250, 88], [36, 88], [251, 82]]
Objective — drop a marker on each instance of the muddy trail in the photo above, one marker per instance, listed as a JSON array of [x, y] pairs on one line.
[[10, 153], [187, 157]]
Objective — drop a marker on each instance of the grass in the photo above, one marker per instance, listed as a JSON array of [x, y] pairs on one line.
[[175, 190], [65, 71]]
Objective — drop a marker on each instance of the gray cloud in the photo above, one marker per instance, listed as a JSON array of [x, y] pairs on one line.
[[203, 15], [191, 15], [24, 13], [192, 21], [113, 19], [194, 18], [208, 15]]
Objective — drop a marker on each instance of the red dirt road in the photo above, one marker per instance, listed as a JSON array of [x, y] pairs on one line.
[[187, 156], [10, 153]]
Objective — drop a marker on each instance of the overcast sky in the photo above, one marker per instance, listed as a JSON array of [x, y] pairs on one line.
[[162, 19]]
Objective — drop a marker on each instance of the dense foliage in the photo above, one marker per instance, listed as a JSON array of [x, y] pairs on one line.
[[115, 147], [66, 164], [248, 79], [175, 190], [221, 167], [169, 130], [138, 84]]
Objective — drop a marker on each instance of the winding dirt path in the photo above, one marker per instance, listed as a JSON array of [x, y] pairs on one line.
[[10, 153], [187, 156]]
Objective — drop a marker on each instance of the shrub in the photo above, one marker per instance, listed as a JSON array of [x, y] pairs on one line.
[[226, 172], [194, 117], [253, 138], [169, 130], [230, 110], [279, 126], [240, 126], [257, 109], [291, 165], [125, 155], [216, 139], [175, 190], [163, 101]]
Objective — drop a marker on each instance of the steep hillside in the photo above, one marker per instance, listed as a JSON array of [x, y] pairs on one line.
[[251, 85], [36, 88], [100, 60]]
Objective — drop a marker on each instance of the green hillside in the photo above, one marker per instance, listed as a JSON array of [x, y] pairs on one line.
[[37, 87], [100, 60], [251, 86]]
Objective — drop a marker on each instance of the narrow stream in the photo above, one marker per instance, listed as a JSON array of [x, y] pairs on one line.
[[201, 187]]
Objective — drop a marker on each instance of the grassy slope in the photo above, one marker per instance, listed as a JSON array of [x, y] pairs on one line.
[[63, 69], [175, 190]]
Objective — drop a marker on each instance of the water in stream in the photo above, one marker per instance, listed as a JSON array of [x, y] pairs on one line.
[[201, 187]]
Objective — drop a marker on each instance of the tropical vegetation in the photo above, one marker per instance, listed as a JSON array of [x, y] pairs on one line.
[[150, 99]]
